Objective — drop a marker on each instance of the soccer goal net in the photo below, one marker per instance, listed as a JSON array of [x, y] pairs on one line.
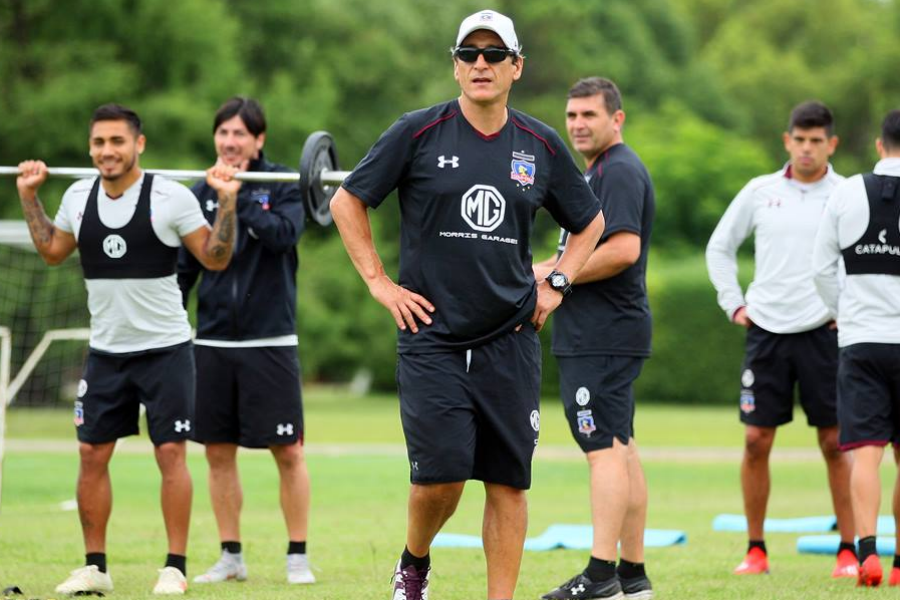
[[44, 317]]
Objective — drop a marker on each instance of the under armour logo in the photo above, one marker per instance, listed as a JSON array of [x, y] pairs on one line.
[[182, 426], [285, 429], [453, 162], [211, 206], [882, 236], [578, 589], [774, 202], [415, 465]]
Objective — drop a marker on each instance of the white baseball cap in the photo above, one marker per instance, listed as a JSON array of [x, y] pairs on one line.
[[492, 21]]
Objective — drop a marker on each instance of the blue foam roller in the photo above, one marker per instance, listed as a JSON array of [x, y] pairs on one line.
[[828, 544], [573, 537], [796, 525]]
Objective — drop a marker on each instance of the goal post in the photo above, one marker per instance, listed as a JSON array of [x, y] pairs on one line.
[[43, 327]]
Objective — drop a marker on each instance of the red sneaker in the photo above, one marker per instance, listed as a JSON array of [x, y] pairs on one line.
[[755, 563], [847, 565], [870, 573], [895, 576]]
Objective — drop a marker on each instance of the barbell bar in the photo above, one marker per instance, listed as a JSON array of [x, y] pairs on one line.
[[319, 175]]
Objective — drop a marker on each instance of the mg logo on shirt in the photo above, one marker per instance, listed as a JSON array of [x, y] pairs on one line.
[[115, 246], [483, 207]]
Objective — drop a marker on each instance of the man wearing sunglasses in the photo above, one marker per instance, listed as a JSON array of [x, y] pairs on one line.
[[470, 174]]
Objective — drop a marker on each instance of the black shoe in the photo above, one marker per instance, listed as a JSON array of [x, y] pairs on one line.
[[582, 588], [637, 588]]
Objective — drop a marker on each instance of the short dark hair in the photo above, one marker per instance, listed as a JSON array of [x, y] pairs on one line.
[[810, 115], [592, 86], [890, 131], [248, 109], [117, 112]]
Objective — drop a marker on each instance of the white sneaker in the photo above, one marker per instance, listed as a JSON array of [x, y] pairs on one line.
[[298, 570], [229, 566], [171, 581], [84, 580]]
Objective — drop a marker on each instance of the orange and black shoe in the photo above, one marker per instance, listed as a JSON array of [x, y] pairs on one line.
[[847, 564], [870, 572], [755, 563]]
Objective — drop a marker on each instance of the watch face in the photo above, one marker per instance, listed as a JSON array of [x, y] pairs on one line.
[[557, 281]]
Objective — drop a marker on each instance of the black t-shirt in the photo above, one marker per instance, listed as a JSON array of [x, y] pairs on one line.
[[612, 316], [467, 206]]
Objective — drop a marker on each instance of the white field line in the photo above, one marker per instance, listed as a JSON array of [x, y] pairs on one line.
[[558, 452]]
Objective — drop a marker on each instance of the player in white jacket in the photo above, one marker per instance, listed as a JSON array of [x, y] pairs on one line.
[[861, 224], [791, 339]]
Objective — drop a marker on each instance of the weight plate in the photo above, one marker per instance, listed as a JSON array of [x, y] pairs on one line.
[[319, 153]]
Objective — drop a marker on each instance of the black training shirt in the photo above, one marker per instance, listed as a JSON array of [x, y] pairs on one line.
[[467, 205], [612, 316]]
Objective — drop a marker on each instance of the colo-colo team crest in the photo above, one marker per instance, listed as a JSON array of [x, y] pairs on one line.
[[523, 169]]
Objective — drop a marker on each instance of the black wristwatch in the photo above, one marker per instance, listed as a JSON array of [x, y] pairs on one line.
[[559, 282]]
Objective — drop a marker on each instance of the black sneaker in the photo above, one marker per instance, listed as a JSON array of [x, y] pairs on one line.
[[637, 588], [409, 583], [582, 588]]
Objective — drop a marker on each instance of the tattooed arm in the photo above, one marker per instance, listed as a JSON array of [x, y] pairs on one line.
[[53, 244], [213, 247]]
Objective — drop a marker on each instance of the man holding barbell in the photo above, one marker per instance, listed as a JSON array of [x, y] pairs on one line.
[[248, 373], [127, 226], [470, 173]]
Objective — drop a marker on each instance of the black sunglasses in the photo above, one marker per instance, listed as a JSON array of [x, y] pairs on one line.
[[470, 54]]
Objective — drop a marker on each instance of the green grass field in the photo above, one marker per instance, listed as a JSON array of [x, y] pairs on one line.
[[360, 481]]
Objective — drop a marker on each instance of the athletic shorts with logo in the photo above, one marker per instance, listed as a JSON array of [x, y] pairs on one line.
[[598, 398], [113, 387], [869, 395], [777, 362], [473, 414], [248, 396]]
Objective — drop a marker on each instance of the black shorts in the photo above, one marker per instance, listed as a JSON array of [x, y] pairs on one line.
[[869, 395], [598, 398], [473, 414], [113, 386], [775, 362], [248, 396]]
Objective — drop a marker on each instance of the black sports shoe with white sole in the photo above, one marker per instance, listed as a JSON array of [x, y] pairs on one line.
[[637, 588], [582, 588]]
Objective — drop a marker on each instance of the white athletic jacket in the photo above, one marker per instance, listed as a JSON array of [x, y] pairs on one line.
[[783, 215], [868, 306]]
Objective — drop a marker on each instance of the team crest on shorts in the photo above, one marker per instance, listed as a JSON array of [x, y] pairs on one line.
[[586, 422], [535, 420], [748, 402], [79, 413], [523, 169], [747, 378], [582, 396], [82, 388]]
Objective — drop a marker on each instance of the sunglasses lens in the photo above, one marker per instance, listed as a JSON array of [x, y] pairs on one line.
[[468, 55], [494, 55]]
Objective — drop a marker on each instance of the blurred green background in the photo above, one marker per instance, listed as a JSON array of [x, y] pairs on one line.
[[707, 84]]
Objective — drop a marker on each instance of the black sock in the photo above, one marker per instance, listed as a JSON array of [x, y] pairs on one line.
[[408, 559], [847, 546], [761, 544], [630, 570], [231, 547], [296, 547], [866, 547], [96, 558], [178, 561], [896, 564], [600, 570]]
